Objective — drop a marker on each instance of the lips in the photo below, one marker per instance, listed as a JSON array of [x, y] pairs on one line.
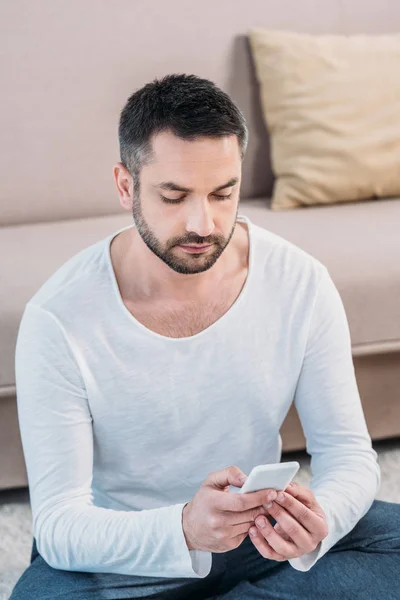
[[195, 249], [190, 246]]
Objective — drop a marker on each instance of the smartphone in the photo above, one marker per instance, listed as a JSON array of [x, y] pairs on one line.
[[276, 476]]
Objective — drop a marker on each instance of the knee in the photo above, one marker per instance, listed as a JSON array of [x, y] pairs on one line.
[[20, 591], [381, 523], [384, 516], [29, 586]]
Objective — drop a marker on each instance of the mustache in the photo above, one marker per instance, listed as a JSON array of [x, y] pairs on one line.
[[196, 244], [197, 241]]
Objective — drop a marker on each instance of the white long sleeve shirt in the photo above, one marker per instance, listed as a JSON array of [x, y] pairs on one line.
[[121, 425]]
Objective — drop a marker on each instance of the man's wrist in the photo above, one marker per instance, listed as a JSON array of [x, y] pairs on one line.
[[184, 529]]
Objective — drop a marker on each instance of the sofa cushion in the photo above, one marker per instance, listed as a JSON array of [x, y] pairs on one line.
[[331, 104], [359, 243]]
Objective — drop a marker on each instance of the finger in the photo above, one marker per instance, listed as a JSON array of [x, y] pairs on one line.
[[230, 518], [282, 533], [241, 502], [264, 547], [242, 528], [313, 523], [281, 546], [305, 495], [291, 526]]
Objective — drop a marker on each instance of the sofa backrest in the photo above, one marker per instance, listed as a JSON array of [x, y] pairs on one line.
[[69, 67]]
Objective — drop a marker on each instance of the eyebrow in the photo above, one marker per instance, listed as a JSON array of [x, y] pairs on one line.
[[170, 185]]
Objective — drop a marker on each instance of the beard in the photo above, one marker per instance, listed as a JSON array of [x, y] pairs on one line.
[[177, 259]]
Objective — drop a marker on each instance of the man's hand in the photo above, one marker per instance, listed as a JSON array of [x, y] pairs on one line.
[[217, 520], [299, 528]]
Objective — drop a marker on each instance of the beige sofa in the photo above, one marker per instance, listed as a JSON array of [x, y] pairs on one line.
[[68, 70]]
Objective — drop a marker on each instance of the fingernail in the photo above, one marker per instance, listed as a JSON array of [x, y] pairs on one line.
[[268, 505], [243, 478], [260, 522]]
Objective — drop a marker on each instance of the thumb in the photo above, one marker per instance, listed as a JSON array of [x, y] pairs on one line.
[[229, 476]]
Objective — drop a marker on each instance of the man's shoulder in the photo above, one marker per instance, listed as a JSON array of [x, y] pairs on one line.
[[280, 253], [71, 283]]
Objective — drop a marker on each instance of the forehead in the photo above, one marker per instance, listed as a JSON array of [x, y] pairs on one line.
[[208, 161]]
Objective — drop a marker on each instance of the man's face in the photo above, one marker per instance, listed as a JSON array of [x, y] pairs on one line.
[[201, 216]]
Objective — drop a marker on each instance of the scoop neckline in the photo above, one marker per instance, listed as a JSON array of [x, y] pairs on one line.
[[239, 300]]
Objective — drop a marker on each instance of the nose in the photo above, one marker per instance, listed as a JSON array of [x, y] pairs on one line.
[[200, 221]]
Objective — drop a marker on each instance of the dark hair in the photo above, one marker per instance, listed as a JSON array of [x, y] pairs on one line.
[[188, 106]]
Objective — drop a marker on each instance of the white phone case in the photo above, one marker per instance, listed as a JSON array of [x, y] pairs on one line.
[[276, 476]]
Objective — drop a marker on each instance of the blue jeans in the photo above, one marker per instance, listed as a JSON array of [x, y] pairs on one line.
[[363, 565]]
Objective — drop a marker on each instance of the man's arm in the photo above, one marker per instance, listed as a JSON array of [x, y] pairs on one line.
[[345, 472], [57, 438]]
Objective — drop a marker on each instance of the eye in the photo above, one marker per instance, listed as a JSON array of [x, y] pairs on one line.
[[170, 200], [178, 200], [222, 197]]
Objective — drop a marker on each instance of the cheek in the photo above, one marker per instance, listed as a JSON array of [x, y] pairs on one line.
[[160, 219]]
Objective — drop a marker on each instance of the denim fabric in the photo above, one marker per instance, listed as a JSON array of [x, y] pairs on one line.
[[364, 565]]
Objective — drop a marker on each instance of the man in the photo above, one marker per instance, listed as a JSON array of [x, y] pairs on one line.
[[155, 368]]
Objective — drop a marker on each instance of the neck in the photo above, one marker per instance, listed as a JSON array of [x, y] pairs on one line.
[[152, 280]]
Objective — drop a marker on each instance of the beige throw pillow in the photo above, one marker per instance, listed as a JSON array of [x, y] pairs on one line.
[[332, 107]]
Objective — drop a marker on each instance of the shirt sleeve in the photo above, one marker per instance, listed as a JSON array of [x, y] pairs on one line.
[[345, 471], [56, 431]]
